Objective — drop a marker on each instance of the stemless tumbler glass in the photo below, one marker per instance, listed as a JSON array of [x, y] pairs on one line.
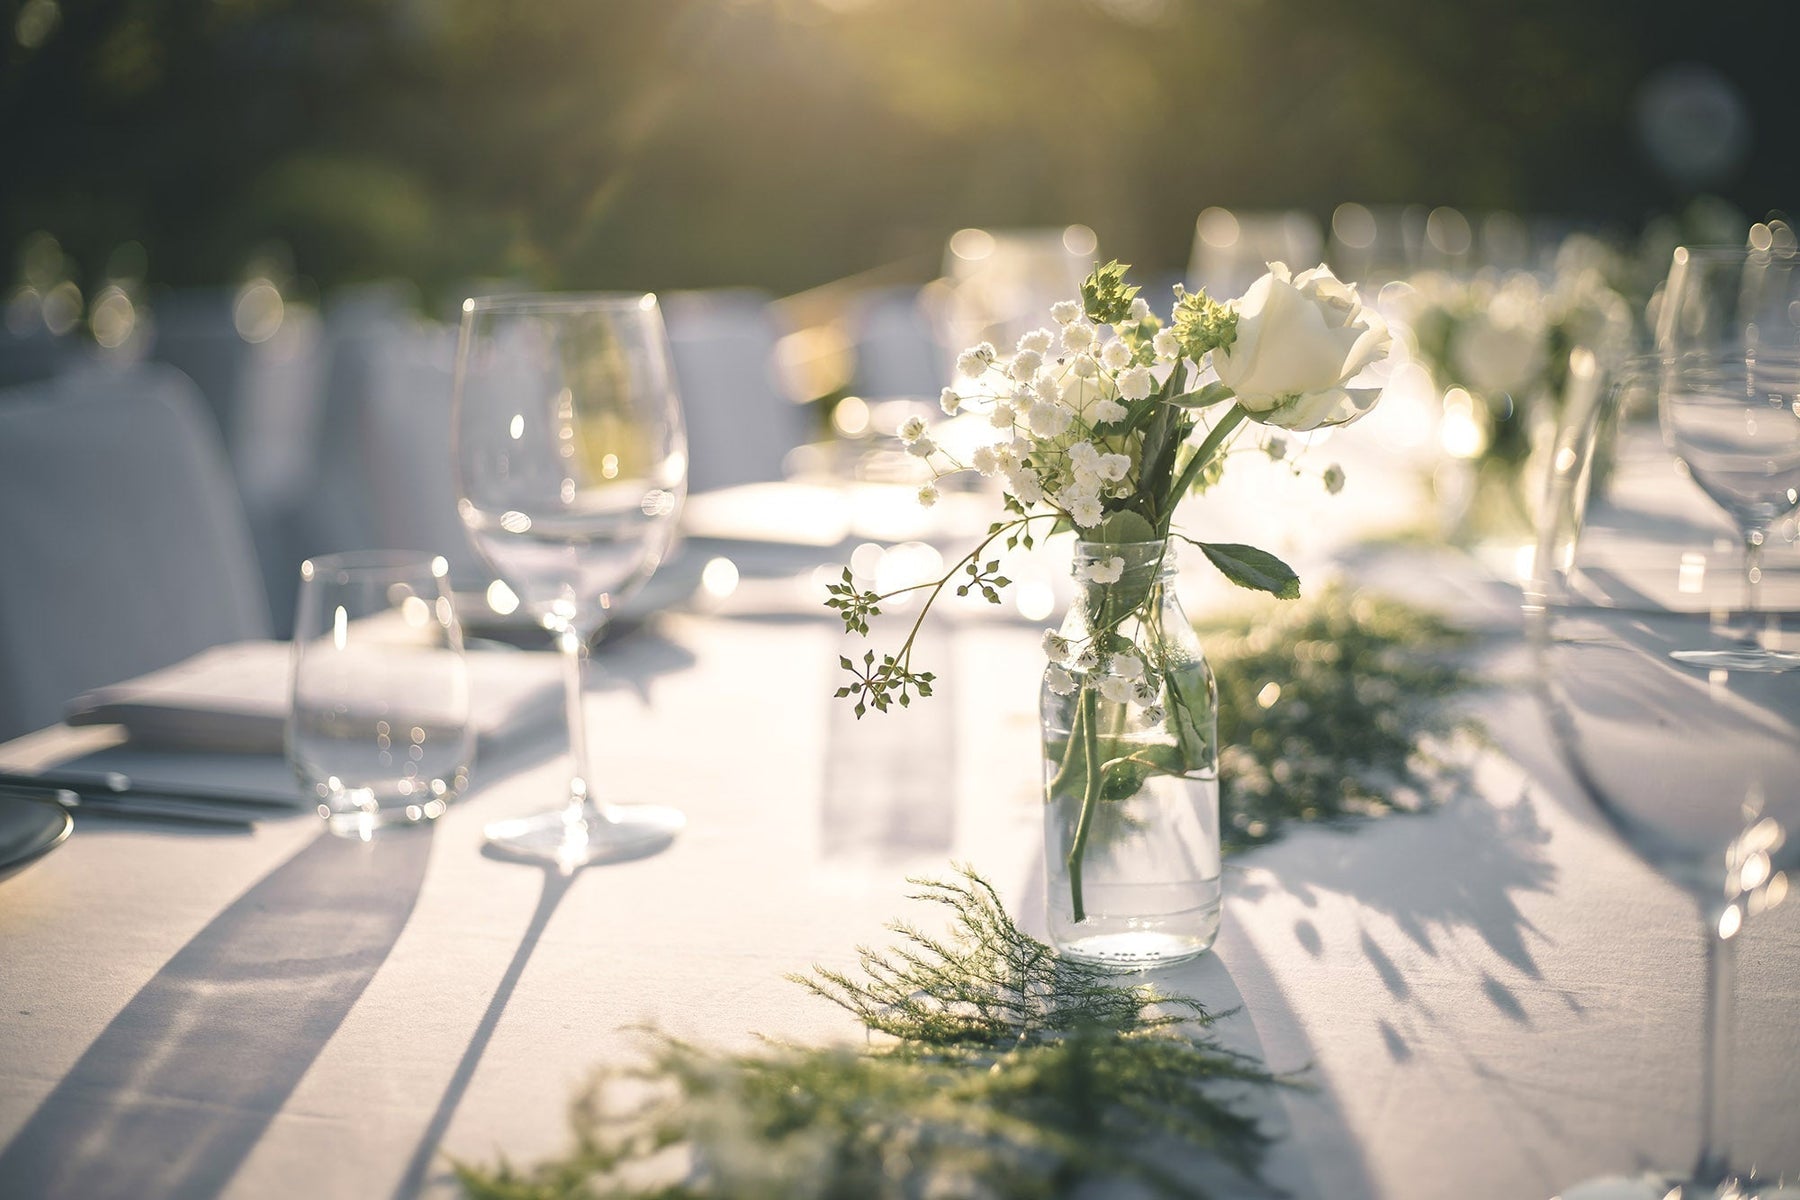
[[379, 727]]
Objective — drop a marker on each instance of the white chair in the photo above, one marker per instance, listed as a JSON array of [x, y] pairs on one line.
[[123, 540], [385, 477], [257, 360], [897, 349], [740, 424]]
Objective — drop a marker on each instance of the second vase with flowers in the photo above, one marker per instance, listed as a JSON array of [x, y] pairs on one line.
[[1104, 421]]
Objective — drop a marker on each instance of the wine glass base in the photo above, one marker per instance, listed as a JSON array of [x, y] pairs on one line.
[[1749, 658], [569, 839]]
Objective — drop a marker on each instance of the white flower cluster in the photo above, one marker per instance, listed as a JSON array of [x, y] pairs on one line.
[[1127, 679], [1059, 403]]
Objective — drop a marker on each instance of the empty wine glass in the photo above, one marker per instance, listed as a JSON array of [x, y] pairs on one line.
[[1728, 332], [379, 727], [571, 464], [1693, 766]]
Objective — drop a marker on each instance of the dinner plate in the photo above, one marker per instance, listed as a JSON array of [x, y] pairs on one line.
[[30, 827]]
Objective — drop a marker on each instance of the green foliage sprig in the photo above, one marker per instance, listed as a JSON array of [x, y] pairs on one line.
[[1000, 1071], [1356, 687]]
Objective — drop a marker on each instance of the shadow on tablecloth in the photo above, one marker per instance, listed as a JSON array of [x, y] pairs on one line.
[[179, 1088]]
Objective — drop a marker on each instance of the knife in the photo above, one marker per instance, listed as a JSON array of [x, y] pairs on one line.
[[143, 808], [105, 785]]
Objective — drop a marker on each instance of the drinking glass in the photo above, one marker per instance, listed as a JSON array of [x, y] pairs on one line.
[[379, 726], [571, 465], [1691, 763], [1728, 333]]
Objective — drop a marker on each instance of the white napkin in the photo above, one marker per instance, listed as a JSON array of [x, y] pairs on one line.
[[234, 698]]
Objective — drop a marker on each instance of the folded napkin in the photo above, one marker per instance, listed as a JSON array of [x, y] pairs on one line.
[[234, 698]]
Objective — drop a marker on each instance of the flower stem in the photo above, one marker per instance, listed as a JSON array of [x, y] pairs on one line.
[[1090, 794], [1234, 416]]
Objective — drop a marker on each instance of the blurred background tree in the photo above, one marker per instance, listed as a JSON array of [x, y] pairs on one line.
[[783, 143]]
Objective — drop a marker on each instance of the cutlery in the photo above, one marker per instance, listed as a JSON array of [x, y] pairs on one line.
[[108, 785]]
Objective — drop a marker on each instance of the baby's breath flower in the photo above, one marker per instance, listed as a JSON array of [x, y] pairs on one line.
[[1083, 457], [1276, 448], [928, 495], [1088, 659], [950, 402], [1025, 487], [987, 461], [1116, 355], [1112, 467], [1144, 693], [1334, 479], [1049, 419], [1103, 570], [1130, 666], [975, 360], [1078, 336], [1025, 364], [1003, 416], [1058, 680], [1066, 311], [923, 448], [1166, 345], [1056, 646], [1037, 341], [1086, 512], [1115, 690], [912, 429], [1153, 714], [1107, 411], [1136, 383], [1140, 309]]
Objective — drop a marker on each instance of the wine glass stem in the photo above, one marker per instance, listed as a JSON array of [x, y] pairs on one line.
[[1714, 1162], [1753, 547], [574, 655]]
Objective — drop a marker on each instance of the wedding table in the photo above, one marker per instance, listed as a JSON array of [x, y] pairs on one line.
[[1490, 999]]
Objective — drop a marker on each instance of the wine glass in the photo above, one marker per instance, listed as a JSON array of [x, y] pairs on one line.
[[571, 463], [1728, 332], [1692, 765]]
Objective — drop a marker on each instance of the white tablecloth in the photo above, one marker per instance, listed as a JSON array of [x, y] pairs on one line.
[[1492, 1000]]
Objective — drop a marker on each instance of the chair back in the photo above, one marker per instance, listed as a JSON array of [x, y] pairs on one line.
[[123, 543]]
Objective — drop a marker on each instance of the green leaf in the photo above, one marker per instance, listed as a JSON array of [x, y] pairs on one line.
[[1120, 527], [1251, 568], [1204, 397]]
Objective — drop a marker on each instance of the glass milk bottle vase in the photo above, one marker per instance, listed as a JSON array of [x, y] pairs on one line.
[[1129, 710]]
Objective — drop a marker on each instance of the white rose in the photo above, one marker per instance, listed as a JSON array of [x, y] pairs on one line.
[[1300, 339]]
